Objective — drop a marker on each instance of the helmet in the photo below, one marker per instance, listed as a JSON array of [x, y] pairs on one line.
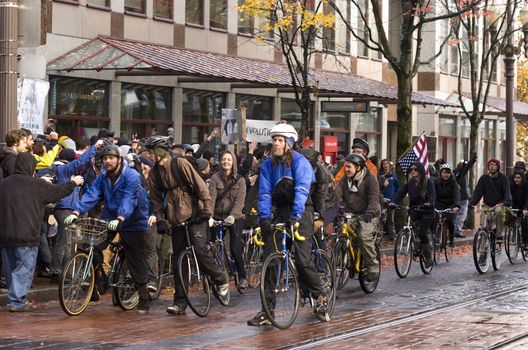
[[446, 166], [188, 148], [285, 130], [110, 150], [360, 143], [357, 159], [158, 141]]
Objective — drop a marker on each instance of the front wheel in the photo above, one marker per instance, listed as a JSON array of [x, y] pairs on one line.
[[194, 284], [279, 290], [342, 264], [496, 253], [76, 284], [222, 264], [403, 253], [369, 286], [481, 251], [125, 289], [159, 277], [253, 264], [323, 265], [423, 263], [512, 240]]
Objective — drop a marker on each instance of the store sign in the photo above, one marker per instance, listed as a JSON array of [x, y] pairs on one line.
[[259, 130], [330, 144], [345, 106], [32, 99]]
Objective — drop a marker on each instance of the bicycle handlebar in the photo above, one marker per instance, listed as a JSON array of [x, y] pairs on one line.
[[294, 227]]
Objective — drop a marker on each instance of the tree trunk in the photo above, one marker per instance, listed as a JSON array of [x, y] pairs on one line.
[[404, 111], [473, 147]]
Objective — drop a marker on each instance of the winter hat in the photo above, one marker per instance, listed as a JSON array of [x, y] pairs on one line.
[[67, 154], [143, 159], [207, 154], [494, 160], [202, 164], [520, 165]]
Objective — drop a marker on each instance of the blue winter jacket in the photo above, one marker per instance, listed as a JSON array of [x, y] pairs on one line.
[[126, 198], [65, 171], [303, 176], [393, 186]]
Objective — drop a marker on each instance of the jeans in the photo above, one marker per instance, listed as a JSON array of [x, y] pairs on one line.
[[461, 216], [44, 253], [61, 248], [19, 266]]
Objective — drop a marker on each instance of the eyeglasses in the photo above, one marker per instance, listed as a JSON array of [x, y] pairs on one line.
[[413, 169]]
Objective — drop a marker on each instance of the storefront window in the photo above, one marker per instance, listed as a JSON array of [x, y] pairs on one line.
[[79, 106], [368, 127], [145, 110], [291, 112], [258, 107], [336, 124], [447, 139]]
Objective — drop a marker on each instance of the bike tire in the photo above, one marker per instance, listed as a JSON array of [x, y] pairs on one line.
[[125, 289], [369, 287], [341, 263], [496, 254], [438, 241], [427, 270], [511, 244], [280, 295], [448, 250], [76, 285], [159, 277], [481, 251], [222, 264], [194, 284], [325, 268], [403, 253], [253, 264]]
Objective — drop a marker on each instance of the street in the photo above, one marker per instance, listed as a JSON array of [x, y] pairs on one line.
[[452, 307]]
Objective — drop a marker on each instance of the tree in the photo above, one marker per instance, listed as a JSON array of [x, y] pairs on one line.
[[522, 95], [292, 27]]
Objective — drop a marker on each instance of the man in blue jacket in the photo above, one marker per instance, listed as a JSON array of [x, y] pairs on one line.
[[69, 166], [126, 208], [285, 181]]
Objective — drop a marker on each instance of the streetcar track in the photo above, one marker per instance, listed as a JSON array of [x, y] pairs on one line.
[[413, 317], [512, 343]]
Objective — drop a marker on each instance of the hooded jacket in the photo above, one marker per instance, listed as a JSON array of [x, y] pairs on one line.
[[519, 194], [230, 202], [447, 193], [493, 190], [126, 197], [419, 193], [22, 201], [7, 161]]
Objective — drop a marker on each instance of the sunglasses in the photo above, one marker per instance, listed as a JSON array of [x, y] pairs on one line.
[[413, 169]]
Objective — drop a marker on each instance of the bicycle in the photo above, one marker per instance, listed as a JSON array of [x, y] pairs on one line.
[[279, 282], [253, 255], [348, 259], [77, 281], [407, 247], [513, 238], [441, 236], [225, 256], [484, 239], [196, 285]]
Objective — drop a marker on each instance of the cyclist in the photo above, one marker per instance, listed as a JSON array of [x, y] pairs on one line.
[[460, 173], [285, 181], [228, 192], [494, 189], [359, 190], [179, 194], [421, 192], [126, 206], [360, 147], [389, 187], [519, 192], [447, 196]]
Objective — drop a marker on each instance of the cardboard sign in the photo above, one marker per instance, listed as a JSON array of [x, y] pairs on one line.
[[259, 130], [31, 104]]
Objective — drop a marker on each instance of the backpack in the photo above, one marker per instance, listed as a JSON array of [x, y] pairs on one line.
[[185, 187]]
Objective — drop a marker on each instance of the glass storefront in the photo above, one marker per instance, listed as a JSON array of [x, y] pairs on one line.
[[145, 110], [291, 113], [79, 106], [258, 107], [368, 127], [447, 139], [336, 124]]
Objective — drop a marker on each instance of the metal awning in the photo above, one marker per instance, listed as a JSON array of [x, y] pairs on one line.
[[129, 57], [497, 106]]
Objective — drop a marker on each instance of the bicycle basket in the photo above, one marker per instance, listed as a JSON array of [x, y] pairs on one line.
[[88, 230]]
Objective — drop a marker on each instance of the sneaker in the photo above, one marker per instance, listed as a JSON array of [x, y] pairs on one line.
[[151, 287], [321, 309], [223, 293], [175, 310], [25, 308], [261, 319], [499, 239], [459, 235], [242, 285], [143, 306]]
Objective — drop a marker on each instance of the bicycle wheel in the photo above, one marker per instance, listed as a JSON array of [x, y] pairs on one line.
[[222, 263], [324, 267], [511, 240], [496, 254], [195, 285], [369, 287], [447, 249], [159, 277], [427, 270], [279, 290], [125, 289], [342, 263], [438, 241], [253, 264], [76, 284], [481, 251], [524, 252], [403, 250]]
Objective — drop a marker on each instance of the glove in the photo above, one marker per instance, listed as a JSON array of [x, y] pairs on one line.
[[70, 219], [203, 217], [114, 225], [393, 205], [366, 217], [230, 220], [265, 226], [163, 227]]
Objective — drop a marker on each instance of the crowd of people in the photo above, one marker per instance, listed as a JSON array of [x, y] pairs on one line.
[[147, 188]]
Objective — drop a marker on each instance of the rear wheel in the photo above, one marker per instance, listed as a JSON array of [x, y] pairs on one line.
[[403, 253], [481, 251], [369, 286], [446, 242], [222, 264], [512, 240], [324, 267], [253, 264], [438, 243], [159, 277], [496, 254], [195, 285], [125, 289], [423, 265], [76, 285], [342, 264]]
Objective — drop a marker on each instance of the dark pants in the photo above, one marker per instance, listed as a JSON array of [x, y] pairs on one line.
[[44, 253], [424, 220], [206, 261], [236, 244]]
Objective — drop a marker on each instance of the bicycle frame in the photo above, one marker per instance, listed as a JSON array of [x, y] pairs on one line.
[[351, 235]]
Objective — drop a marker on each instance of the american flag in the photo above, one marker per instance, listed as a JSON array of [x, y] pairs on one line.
[[417, 153]]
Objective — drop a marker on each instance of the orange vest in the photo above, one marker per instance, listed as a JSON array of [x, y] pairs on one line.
[[369, 164]]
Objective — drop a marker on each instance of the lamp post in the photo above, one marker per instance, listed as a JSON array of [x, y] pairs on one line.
[[509, 66]]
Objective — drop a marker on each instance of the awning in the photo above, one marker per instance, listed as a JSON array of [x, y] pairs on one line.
[[138, 58], [497, 105]]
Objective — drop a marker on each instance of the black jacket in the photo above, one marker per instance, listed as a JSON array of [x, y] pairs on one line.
[[22, 201], [495, 190], [447, 193], [417, 195], [461, 178], [519, 195], [7, 161]]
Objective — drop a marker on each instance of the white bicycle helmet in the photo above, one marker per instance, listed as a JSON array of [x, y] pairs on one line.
[[446, 166], [285, 130]]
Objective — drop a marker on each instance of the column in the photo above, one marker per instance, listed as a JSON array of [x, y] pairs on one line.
[[114, 108], [459, 152], [384, 134], [317, 124], [177, 114]]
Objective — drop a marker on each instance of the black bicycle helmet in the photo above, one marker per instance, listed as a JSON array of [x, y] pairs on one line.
[[158, 141], [357, 159], [110, 150]]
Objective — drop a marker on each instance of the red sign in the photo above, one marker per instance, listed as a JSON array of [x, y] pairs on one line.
[[330, 144]]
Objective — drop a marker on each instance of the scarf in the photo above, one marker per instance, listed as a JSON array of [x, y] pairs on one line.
[[354, 182]]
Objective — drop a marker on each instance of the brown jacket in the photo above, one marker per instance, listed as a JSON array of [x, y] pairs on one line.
[[365, 200], [233, 201], [181, 205]]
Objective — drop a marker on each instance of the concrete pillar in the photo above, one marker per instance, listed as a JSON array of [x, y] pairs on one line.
[[459, 152], [177, 113], [384, 134], [114, 108], [277, 109], [317, 124]]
